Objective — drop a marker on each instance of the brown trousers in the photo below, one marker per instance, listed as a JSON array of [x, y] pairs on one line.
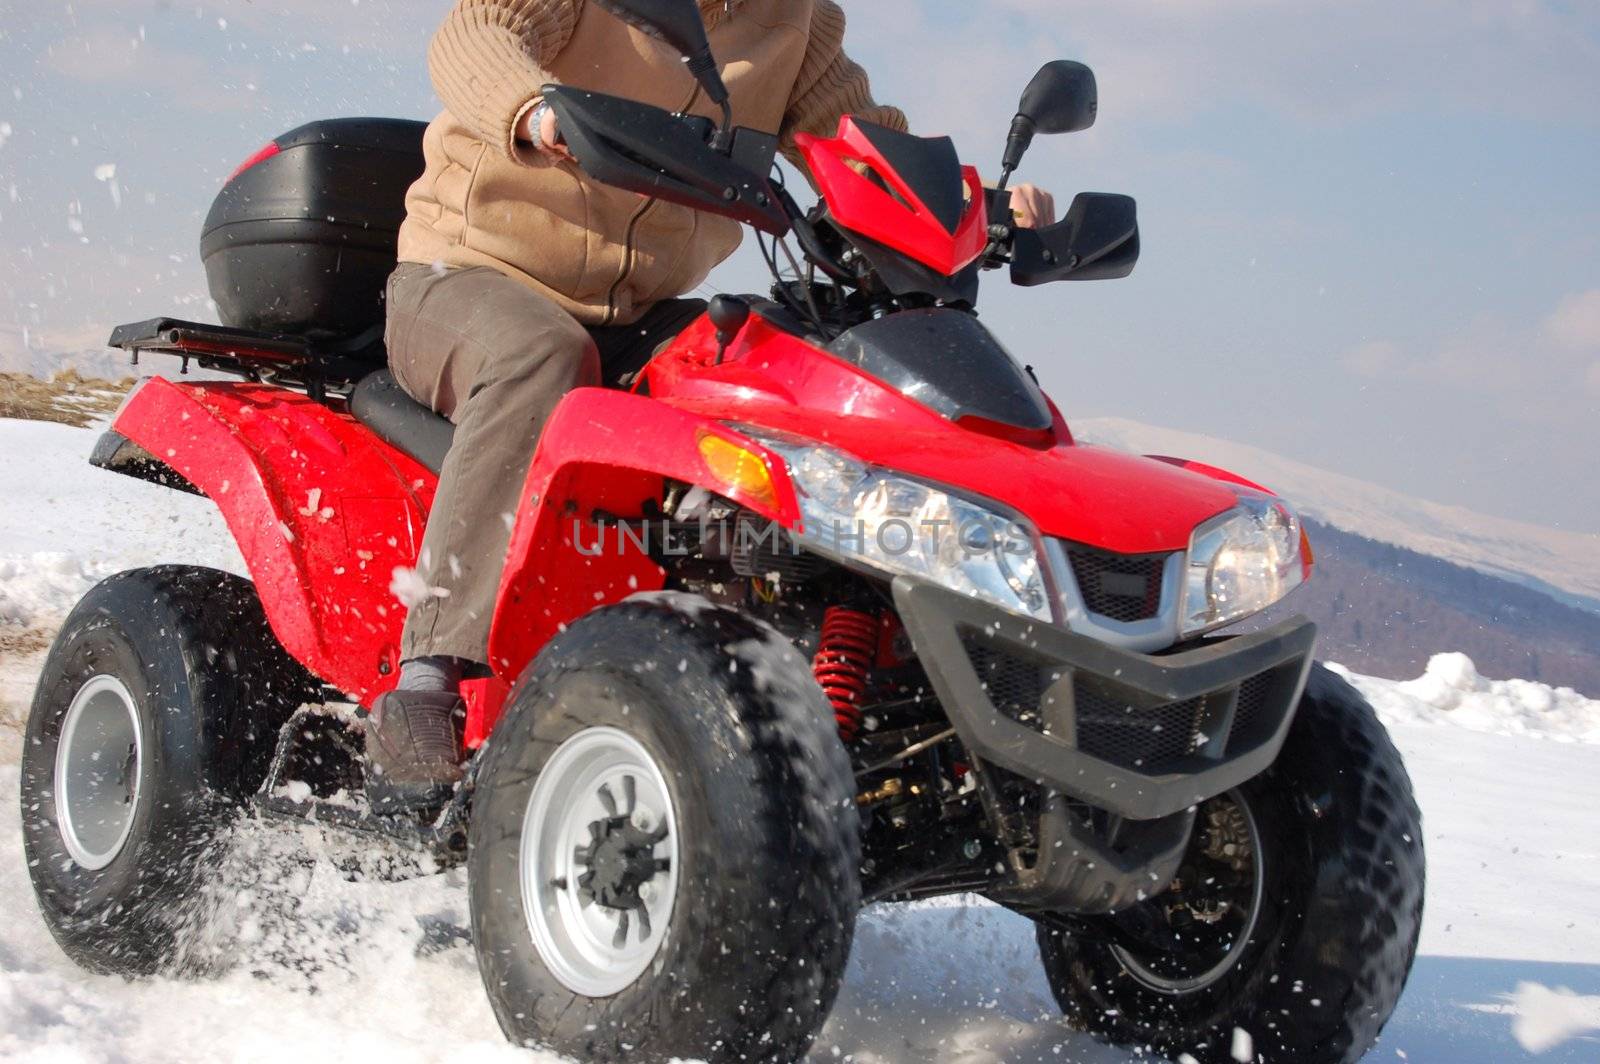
[[494, 357]]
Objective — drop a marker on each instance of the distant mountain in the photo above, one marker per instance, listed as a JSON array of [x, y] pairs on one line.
[[1562, 565], [22, 353]]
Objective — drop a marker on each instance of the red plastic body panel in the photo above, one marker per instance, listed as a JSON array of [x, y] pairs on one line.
[[1212, 471], [607, 451], [486, 700], [905, 224], [1091, 495], [323, 512]]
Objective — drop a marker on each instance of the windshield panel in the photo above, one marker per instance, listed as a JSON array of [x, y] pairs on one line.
[[947, 361]]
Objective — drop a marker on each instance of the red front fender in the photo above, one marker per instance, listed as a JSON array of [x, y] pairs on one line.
[[602, 453]]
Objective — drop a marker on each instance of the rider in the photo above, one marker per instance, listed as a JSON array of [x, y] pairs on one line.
[[521, 278]]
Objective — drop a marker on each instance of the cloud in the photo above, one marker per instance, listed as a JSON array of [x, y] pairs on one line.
[[1548, 358], [1575, 323], [1373, 358], [396, 27], [107, 56], [1340, 62]]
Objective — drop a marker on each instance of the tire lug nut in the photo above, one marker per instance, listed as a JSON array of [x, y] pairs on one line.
[[643, 820]]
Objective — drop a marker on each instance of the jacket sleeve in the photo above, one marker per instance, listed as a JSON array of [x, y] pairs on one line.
[[489, 61], [830, 85]]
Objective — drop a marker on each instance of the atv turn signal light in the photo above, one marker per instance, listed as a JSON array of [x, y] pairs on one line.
[[738, 470]]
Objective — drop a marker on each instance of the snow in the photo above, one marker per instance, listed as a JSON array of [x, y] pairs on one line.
[[65, 524], [410, 588], [1507, 774], [695, 606], [1452, 692], [1546, 1018], [1545, 558]]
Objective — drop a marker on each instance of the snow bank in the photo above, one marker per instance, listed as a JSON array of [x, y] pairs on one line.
[[1452, 692], [41, 587], [65, 524]]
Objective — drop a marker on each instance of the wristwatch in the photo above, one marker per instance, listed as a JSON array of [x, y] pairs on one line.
[[536, 123]]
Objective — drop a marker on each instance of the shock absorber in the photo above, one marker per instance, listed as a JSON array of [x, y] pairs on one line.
[[844, 658]]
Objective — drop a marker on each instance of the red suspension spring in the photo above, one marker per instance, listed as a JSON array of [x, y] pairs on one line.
[[845, 655]]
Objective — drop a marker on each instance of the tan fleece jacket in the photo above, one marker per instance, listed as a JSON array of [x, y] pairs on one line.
[[603, 254]]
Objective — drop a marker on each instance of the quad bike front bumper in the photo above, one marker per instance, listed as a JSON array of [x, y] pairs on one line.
[[1143, 737]]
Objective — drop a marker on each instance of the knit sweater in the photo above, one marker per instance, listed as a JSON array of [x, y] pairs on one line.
[[603, 254]]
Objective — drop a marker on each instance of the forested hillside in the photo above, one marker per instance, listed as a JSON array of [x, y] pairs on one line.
[[1384, 610]]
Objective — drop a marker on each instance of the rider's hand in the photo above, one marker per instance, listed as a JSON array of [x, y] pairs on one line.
[[546, 138], [1032, 207]]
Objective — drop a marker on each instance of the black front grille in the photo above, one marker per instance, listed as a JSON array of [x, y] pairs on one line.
[[1147, 738], [1016, 687], [1257, 695], [1127, 731], [1121, 587]]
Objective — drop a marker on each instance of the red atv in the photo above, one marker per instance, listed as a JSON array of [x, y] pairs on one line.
[[824, 607]]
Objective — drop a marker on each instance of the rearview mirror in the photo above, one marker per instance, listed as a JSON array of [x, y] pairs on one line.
[[1097, 240], [1061, 98], [678, 23]]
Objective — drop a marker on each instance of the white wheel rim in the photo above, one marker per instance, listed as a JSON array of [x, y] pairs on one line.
[[594, 948], [98, 764]]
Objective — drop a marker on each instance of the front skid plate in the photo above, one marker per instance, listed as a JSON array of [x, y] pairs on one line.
[[942, 622]]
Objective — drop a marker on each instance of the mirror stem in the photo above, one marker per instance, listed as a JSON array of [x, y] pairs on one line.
[[1018, 141], [704, 69]]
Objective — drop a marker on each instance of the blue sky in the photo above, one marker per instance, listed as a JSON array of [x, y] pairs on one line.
[[1371, 230]]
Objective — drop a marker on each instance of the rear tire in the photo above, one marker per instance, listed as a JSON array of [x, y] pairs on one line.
[[154, 718], [736, 764], [1315, 974]]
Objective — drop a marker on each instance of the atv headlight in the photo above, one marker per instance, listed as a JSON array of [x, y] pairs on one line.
[[892, 523], [1241, 563]]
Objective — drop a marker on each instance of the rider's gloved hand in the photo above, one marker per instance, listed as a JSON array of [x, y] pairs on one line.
[[1032, 207], [539, 127]]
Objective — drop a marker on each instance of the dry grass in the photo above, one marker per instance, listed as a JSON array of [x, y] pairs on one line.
[[66, 398], [21, 641]]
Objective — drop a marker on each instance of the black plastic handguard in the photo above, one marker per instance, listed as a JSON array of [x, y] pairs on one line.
[[651, 151], [1098, 240]]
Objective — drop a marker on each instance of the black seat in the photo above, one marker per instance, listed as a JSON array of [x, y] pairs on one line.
[[379, 403]]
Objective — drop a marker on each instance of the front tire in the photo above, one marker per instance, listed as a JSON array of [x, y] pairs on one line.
[[1309, 952], [664, 844], [154, 717]]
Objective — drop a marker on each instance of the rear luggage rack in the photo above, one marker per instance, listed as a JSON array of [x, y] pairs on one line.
[[313, 365]]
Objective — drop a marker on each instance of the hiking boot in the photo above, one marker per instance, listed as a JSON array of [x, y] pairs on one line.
[[413, 751]]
